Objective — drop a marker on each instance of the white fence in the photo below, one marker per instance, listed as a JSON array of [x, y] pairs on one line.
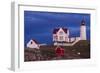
[[75, 40]]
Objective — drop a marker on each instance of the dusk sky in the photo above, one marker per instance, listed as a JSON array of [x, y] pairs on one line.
[[39, 25]]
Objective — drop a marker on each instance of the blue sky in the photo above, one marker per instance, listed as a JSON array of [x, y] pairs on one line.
[[40, 25]]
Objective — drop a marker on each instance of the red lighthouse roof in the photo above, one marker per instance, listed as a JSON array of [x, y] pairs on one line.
[[83, 21]]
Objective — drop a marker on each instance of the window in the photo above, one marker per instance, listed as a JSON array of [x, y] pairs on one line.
[[31, 42], [56, 38], [61, 32], [61, 37]]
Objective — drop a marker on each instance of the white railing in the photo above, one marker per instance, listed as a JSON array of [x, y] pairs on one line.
[[77, 39]]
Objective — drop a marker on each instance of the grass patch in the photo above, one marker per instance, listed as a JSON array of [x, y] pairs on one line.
[[81, 50]]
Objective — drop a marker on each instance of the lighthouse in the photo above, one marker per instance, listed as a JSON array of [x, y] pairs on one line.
[[83, 30]]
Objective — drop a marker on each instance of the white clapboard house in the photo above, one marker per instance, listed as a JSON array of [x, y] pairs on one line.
[[33, 44], [61, 35]]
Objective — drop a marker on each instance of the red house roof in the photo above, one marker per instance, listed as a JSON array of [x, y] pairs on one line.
[[57, 29], [34, 41]]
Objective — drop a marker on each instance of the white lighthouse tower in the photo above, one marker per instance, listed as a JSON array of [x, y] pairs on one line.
[[83, 30]]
